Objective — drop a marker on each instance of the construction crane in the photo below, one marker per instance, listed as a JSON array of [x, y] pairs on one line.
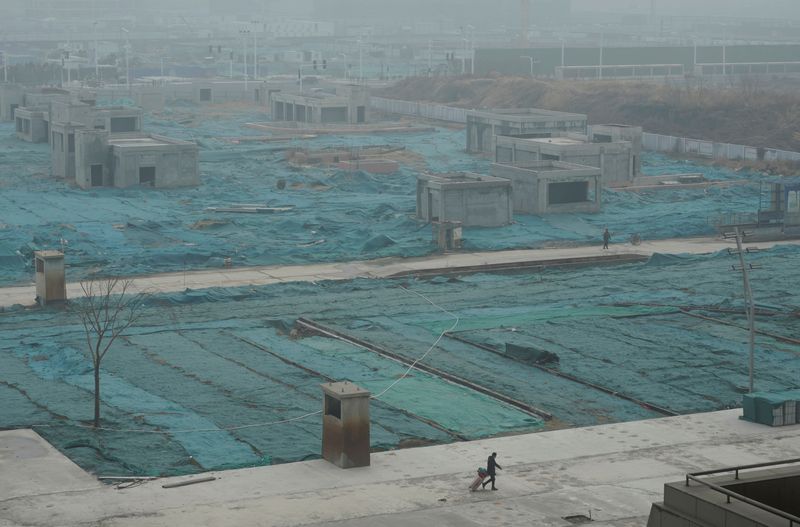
[[525, 20]]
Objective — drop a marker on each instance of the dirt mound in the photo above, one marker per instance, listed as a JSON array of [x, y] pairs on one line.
[[744, 112]]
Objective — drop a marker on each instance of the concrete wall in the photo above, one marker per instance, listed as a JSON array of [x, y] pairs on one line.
[[619, 133], [484, 204], [31, 125], [530, 187], [91, 148], [615, 160], [483, 126], [62, 149], [438, 112], [70, 112], [11, 97], [176, 165], [710, 149]]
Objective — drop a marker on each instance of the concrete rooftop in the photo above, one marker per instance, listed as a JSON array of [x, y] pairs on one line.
[[556, 140], [140, 141], [610, 472]]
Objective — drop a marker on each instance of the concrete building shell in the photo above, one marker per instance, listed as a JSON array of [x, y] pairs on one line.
[[350, 106], [102, 159], [617, 161], [548, 187], [484, 125], [32, 124], [471, 199], [67, 118], [12, 96]]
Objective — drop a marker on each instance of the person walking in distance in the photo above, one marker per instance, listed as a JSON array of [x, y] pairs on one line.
[[491, 468], [606, 237]]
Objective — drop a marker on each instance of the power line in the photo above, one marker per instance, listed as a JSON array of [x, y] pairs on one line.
[[270, 423]]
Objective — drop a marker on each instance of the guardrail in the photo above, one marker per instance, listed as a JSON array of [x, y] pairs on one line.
[[710, 149], [439, 112], [730, 494]]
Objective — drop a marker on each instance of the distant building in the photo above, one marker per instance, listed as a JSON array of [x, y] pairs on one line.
[[349, 105], [484, 125]]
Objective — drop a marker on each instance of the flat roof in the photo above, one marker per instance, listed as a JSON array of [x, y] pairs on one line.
[[560, 141], [147, 140], [137, 141], [461, 177], [613, 472]]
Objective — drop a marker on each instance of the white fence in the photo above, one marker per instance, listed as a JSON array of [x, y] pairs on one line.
[[439, 112], [698, 147]]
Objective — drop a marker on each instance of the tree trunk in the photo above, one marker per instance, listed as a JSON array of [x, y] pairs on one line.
[[96, 396]]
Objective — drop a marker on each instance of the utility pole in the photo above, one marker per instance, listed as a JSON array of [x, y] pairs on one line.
[[532, 60], [749, 303], [255, 49], [96, 65], [346, 66], [244, 33], [430, 57], [127, 64], [464, 58], [360, 61], [602, 45]]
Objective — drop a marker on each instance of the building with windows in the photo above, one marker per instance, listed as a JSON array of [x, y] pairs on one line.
[[548, 187], [103, 159], [349, 105]]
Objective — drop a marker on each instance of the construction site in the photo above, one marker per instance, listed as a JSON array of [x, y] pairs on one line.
[[584, 267]]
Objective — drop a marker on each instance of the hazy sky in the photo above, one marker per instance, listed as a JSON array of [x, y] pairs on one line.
[[759, 8]]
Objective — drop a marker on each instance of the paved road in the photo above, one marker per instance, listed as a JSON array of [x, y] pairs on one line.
[[244, 276]]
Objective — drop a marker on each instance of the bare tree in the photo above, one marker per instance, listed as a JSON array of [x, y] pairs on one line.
[[108, 308]]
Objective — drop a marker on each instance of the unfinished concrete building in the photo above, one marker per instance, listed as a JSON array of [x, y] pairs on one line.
[[110, 160], [66, 118], [619, 133], [548, 187], [484, 125], [617, 161], [349, 105], [472, 199], [12, 96], [32, 124]]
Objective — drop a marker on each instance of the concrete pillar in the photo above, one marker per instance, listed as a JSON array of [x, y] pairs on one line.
[[345, 425], [51, 285]]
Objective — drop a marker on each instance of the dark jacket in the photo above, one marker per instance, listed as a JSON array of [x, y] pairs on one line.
[[491, 464]]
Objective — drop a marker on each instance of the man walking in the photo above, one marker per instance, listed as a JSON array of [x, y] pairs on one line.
[[606, 237], [491, 469]]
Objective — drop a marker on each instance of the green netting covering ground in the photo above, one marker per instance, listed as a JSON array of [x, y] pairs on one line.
[[227, 361], [336, 215]]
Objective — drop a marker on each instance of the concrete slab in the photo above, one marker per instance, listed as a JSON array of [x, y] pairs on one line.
[[381, 268], [611, 472], [29, 465]]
